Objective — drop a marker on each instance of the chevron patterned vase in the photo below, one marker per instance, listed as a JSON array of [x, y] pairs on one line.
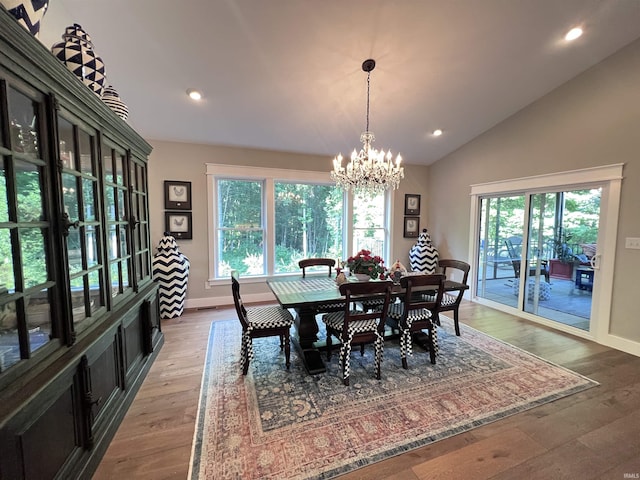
[[76, 52], [423, 256], [29, 13], [171, 271]]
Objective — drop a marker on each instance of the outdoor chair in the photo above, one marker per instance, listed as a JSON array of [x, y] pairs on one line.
[[353, 326], [514, 245], [315, 262], [259, 322], [417, 311]]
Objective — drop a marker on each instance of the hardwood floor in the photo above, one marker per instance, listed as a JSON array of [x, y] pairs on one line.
[[591, 435]]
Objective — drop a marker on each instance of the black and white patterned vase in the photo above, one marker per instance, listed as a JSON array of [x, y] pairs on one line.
[[111, 99], [29, 13], [171, 271], [76, 52], [423, 256]]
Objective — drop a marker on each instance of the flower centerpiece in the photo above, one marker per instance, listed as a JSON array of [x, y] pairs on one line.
[[363, 263]]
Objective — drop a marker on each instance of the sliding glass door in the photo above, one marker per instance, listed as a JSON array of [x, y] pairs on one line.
[[536, 252]]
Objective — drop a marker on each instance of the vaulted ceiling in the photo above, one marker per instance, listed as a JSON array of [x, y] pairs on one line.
[[286, 74]]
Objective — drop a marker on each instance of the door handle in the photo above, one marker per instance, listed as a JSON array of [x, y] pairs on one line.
[[67, 224]]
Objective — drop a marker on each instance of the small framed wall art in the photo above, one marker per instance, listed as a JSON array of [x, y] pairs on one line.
[[178, 225], [411, 204], [177, 195], [411, 226]]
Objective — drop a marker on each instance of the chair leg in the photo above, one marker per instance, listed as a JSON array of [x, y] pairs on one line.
[[287, 350], [329, 345], [405, 344], [362, 349], [281, 341], [379, 352], [455, 321], [246, 352], [432, 349], [345, 356]]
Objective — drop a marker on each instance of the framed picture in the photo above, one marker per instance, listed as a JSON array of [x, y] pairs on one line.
[[177, 195], [178, 224], [411, 204], [411, 226]]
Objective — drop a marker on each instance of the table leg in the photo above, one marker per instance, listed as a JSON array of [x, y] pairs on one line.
[[307, 334]]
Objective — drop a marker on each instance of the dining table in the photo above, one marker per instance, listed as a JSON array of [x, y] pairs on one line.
[[310, 296]]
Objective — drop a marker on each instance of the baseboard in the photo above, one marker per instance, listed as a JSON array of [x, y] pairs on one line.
[[623, 344]]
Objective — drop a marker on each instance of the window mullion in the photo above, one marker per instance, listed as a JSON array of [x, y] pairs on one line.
[[268, 223]]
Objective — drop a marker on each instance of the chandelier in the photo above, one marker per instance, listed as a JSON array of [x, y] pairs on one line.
[[370, 171]]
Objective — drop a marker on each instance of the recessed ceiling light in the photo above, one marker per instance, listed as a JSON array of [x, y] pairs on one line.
[[573, 34], [437, 132], [194, 94]]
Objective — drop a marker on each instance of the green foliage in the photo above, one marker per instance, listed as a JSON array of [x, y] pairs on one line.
[[559, 227]]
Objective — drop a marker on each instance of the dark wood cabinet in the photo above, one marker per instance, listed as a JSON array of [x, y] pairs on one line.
[[79, 317]]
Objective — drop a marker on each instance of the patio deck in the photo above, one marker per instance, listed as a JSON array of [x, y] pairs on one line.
[[566, 303]]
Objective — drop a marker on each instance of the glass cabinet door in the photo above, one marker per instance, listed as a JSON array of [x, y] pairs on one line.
[[142, 253], [81, 221], [117, 221], [27, 289]]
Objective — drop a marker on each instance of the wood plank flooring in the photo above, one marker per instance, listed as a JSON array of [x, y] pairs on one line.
[[591, 435]]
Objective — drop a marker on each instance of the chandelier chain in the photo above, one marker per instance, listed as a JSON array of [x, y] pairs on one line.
[[368, 88]]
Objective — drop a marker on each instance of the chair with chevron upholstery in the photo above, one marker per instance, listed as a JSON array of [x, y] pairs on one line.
[[259, 322], [355, 326], [417, 311], [459, 271]]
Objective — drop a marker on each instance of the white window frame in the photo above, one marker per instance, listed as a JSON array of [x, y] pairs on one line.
[[269, 176], [609, 177]]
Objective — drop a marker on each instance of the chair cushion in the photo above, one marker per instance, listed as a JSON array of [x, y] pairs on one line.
[[330, 307], [268, 317], [335, 320], [397, 309], [447, 299]]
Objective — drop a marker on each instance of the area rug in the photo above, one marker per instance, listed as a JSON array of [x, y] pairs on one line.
[[279, 424]]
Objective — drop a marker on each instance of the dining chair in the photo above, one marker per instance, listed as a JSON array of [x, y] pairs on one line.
[[259, 322], [417, 311], [353, 325], [459, 271], [316, 262]]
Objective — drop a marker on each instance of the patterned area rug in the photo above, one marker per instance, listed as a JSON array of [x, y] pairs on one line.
[[290, 425]]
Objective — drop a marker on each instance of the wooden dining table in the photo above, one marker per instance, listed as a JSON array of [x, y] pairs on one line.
[[310, 296]]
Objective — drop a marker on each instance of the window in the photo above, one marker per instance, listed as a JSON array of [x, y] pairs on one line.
[[308, 223], [263, 221], [240, 238], [369, 224]]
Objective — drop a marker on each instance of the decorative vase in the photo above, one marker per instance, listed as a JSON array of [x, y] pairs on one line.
[[29, 13], [76, 52], [171, 271], [362, 277], [111, 99], [423, 256]]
